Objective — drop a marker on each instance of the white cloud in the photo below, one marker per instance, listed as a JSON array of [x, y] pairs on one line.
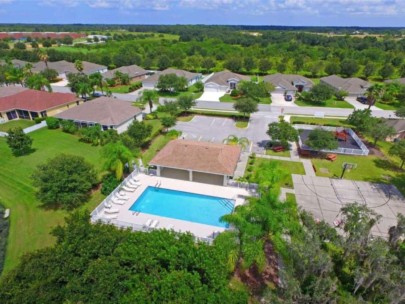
[[6, 1]]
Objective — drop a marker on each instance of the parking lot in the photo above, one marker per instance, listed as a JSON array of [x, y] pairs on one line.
[[324, 197], [216, 129]]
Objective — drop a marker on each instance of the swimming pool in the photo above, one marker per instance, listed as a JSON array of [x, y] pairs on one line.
[[184, 206]]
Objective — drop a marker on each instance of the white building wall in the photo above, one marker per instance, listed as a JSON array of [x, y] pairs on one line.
[[124, 126]]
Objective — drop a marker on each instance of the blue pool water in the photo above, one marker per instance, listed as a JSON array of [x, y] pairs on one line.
[[184, 206]]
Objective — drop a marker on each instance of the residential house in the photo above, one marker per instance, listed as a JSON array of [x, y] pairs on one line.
[[289, 84], [135, 73], [30, 104], [151, 82], [399, 127], [110, 113], [197, 161], [223, 81], [399, 80], [15, 62], [353, 86], [64, 67]]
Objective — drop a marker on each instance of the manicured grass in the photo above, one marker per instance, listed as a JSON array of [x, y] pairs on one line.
[[156, 145], [185, 118], [391, 106], [123, 89], [369, 168], [191, 90], [330, 103], [242, 124], [218, 113], [283, 153], [289, 167], [31, 223], [22, 123], [229, 98], [334, 122]]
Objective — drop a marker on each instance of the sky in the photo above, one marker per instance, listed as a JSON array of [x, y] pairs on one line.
[[374, 13]]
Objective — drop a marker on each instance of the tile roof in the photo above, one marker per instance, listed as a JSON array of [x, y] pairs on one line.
[[180, 73], [199, 156], [132, 71], [350, 85], [10, 90], [221, 78], [286, 81], [33, 100], [103, 110]]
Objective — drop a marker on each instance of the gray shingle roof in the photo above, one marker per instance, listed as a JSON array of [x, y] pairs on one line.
[[222, 78], [132, 71], [350, 85], [10, 90], [399, 80], [64, 66], [397, 124], [287, 81], [180, 73], [103, 110]]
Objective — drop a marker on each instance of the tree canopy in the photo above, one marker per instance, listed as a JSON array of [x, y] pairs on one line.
[[19, 142], [65, 181], [246, 105], [320, 139], [282, 131]]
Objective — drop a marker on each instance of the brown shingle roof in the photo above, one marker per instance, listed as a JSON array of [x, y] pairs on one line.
[[103, 110], [399, 80], [180, 73], [33, 100], [132, 71], [397, 124], [199, 156], [221, 78], [10, 90]]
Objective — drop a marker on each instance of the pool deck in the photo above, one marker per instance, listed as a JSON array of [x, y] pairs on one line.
[[136, 220]]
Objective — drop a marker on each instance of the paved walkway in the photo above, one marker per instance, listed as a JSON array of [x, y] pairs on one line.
[[241, 167], [283, 193]]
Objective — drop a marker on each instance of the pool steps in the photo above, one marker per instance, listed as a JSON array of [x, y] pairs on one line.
[[227, 203]]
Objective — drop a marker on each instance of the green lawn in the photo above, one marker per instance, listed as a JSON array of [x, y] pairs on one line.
[[369, 168], [30, 223], [22, 123], [283, 153], [330, 103], [289, 167], [334, 122], [185, 118], [229, 98], [191, 90], [156, 145], [391, 106], [242, 124]]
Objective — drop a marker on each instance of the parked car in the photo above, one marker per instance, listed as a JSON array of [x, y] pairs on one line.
[[97, 94], [288, 98], [362, 99]]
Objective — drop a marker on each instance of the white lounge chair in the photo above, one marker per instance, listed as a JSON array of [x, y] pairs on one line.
[[121, 197], [128, 189], [135, 179], [110, 216], [122, 194], [117, 201], [107, 205], [131, 183], [154, 224], [148, 223], [111, 211]]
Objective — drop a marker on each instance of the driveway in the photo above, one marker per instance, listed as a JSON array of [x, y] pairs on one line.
[[211, 96], [216, 129], [278, 100], [358, 105]]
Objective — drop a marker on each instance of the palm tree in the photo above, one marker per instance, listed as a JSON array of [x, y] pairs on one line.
[[83, 89], [27, 69], [234, 140], [38, 82], [116, 155], [96, 79], [374, 94], [43, 56], [15, 75], [79, 65], [150, 97]]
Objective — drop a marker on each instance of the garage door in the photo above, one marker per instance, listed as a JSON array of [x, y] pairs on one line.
[[211, 89], [174, 173], [206, 178]]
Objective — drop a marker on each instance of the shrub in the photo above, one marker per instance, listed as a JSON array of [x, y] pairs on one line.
[[109, 184], [52, 122], [39, 119], [173, 134], [250, 169], [68, 126], [19, 142], [135, 86], [235, 93], [4, 226]]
